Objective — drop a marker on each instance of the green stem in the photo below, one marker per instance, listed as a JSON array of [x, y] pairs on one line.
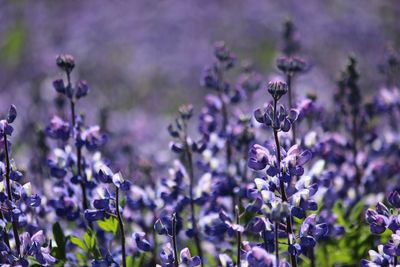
[[239, 238], [312, 257], [121, 226], [277, 242], [174, 241]]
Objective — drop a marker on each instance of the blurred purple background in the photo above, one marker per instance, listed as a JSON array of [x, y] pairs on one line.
[[145, 58]]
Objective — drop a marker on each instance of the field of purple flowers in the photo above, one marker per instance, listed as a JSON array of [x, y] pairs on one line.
[[303, 180]]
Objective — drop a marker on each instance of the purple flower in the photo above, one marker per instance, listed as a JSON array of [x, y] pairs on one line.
[[58, 129], [93, 138], [59, 86], [310, 231], [376, 259], [167, 255], [12, 114], [141, 242], [258, 157], [187, 259], [32, 246], [394, 199], [378, 222], [392, 248], [94, 215], [82, 89], [258, 257]]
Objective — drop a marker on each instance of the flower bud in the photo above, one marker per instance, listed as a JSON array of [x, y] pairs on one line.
[[291, 64], [221, 51], [65, 62], [12, 114], [277, 89], [186, 111], [59, 86], [82, 89]]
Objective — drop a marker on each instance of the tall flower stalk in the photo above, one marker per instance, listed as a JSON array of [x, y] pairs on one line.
[[67, 63], [350, 95], [279, 120], [289, 229], [9, 192], [189, 165], [183, 146]]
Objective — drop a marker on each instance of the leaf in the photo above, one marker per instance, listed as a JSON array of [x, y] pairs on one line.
[[109, 225], [79, 243], [138, 261], [356, 212], [90, 240], [122, 202], [129, 261], [60, 239], [338, 210], [81, 258]]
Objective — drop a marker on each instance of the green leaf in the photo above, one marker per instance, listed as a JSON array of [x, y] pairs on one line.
[[339, 212], [59, 237], [211, 260], [129, 261], [90, 240], [356, 212], [138, 261], [122, 202], [81, 258], [87, 237], [79, 243], [109, 225]]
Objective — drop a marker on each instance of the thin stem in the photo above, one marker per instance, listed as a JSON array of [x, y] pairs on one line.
[[85, 205], [245, 157], [192, 210], [189, 162], [155, 252], [121, 226], [174, 241], [277, 242], [290, 97], [312, 257], [244, 173], [9, 193], [265, 240], [225, 119], [239, 238], [225, 125], [354, 149], [289, 229]]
